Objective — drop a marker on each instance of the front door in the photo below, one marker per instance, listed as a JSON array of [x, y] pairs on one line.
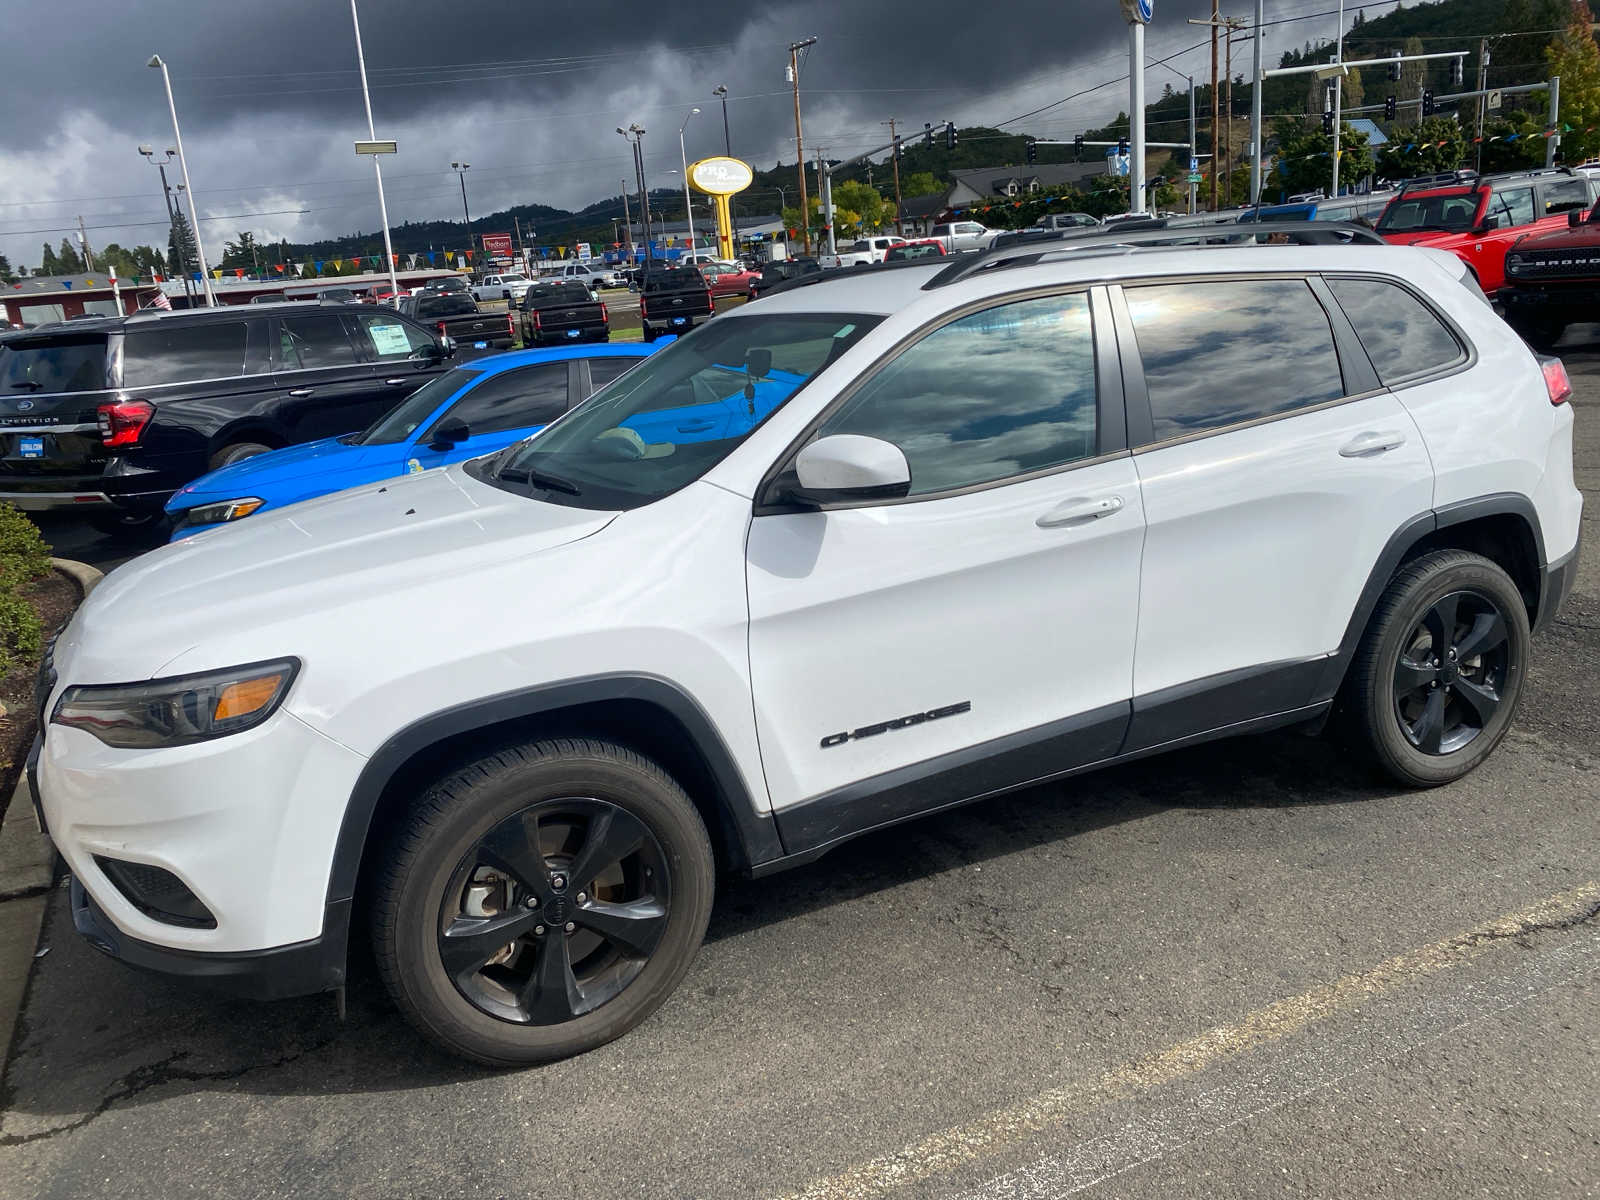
[[324, 387], [979, 633], [1274, 471]]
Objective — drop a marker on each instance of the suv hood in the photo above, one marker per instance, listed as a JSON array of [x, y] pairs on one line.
[[242, 588], [1568, 238]]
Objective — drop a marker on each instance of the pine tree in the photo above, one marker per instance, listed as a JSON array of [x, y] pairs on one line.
[[1575, 57], [68, 260], [6, 275], [47, 262], [181, 257]]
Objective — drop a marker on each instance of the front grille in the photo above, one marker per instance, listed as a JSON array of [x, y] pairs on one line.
[[157, 893], [1554, 264]]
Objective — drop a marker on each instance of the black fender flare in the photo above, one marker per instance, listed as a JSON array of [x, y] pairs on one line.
[[752, 835]]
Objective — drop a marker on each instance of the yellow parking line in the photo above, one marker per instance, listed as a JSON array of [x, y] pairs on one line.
[[964, 1144]]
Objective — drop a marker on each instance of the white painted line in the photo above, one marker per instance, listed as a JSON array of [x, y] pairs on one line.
[[963, 1145]]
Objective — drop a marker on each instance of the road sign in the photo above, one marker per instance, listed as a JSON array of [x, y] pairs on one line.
[[1194, 164], [1194, 177], [1493, 99], [1138, 10]]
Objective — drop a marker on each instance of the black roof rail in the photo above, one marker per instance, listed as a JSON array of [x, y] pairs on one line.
[[1156, 235]]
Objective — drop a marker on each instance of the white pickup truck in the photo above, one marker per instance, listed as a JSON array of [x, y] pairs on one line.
[[862, 253], [501, 287]]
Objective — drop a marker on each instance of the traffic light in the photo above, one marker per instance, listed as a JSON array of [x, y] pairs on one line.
[[1122, 147], [1390, 108], [1427, 104], [927, 133], [1327, 122], [1394, 67], [949, 135], [1077, 147], [1457, 75], [1032, 152], [899, 149]]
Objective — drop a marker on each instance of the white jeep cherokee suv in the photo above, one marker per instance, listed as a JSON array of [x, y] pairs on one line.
[[860, 551]]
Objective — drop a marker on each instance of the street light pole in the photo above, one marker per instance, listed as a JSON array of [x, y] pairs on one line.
[[183, 163], [627, 219], [1255, 110], [377, 170], [683, 155], [721, 92], [634, 135], [160, 165], [461, 168]]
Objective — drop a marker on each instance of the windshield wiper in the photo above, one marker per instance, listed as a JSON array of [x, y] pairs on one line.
[[539, 479]]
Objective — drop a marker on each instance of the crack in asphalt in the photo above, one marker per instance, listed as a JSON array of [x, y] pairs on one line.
[[156, 1074]]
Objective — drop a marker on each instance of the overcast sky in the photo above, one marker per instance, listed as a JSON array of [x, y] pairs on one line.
[[530, 93]]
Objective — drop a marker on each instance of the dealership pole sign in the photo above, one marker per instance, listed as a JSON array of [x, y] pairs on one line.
[[719, 178], [497, 245], [1137, 14]]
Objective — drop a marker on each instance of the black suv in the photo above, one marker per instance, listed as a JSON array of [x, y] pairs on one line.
[[109, 417]]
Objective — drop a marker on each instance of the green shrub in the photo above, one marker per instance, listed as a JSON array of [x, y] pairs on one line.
[[24, 557]]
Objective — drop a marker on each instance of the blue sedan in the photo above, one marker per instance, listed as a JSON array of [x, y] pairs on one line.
[[474, 409]]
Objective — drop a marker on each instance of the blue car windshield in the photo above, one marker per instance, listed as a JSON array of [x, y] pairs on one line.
[[404, 419], [677, 414]]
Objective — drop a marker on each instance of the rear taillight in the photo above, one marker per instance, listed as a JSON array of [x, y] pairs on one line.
[[538, 321], [711, 301], [123, 423], [1555, 380], [511, 326], [604, 316], [440, 324], [643, 312]]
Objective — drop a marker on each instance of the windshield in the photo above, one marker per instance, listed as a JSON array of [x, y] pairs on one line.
[[58, 365], [674, 279], [401, 421], [677, 414], [1453, 212]]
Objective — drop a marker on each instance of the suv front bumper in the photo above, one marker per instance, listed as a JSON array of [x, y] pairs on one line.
[[1568, 303]]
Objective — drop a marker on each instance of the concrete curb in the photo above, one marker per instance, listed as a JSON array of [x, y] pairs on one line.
[[27, 867], [82, 574]]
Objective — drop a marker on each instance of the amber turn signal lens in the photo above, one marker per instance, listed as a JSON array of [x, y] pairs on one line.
[[242, 699]]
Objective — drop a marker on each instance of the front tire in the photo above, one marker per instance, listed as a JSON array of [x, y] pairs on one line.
[[542, 901], [1439, 671]]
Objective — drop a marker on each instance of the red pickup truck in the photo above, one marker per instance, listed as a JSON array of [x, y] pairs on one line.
[[1480, 219]]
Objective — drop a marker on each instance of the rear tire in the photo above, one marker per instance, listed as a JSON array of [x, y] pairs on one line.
[[237, 452], [591, 864], [1438, 673], [649, 334]]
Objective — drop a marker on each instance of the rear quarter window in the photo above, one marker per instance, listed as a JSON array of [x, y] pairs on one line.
[[1401, 335], [179, 353]]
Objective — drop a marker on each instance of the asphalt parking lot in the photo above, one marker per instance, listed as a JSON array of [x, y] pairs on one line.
[[1247, 969]]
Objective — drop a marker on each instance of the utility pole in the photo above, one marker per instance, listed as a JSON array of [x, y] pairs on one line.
[[825, 203], [1194, 148], [1216, 22], [1483, 101], [799, 140], [522, 254], [83, 239], [1338, 100], [1255, 110], [1233, 25], [627, 219], [894, 156]]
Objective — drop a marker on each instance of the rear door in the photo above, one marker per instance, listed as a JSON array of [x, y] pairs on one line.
[[1274, 468], [324, 386]]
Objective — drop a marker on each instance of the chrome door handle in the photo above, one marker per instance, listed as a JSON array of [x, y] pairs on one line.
[[1079, 510], [397, 382], [1369, 443], [301, 391]]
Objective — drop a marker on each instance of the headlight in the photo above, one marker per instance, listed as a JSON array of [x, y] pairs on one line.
[[180, 710], [225, 510], [1514, 262]]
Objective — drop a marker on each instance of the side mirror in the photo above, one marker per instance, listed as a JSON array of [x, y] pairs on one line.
[[1574, 218], [1489, 223], [448, 434], [447, 346], [848, 467]]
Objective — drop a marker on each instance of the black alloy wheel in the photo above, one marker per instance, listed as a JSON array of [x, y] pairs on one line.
[[1447, 680], [540, 900], [555, 911], [1437, 675]]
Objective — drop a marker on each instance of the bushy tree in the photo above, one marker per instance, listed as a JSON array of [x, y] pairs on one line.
[[858, 207], [1575, 57], [240, 252], [1305, 159], [1524, 151], [6, 275], [920, 183], [1437, 144]]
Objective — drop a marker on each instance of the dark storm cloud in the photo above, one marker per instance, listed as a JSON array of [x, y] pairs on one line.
[[529, 93]]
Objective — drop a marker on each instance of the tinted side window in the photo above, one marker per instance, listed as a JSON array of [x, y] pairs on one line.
[[1218, 353], [603, 370], [999, 393], [313, 341], [1401, 335], [1565, 196], [214, 350], [512, 400]]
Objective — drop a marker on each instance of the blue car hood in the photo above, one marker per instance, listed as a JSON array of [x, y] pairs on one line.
[[284, 476]]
